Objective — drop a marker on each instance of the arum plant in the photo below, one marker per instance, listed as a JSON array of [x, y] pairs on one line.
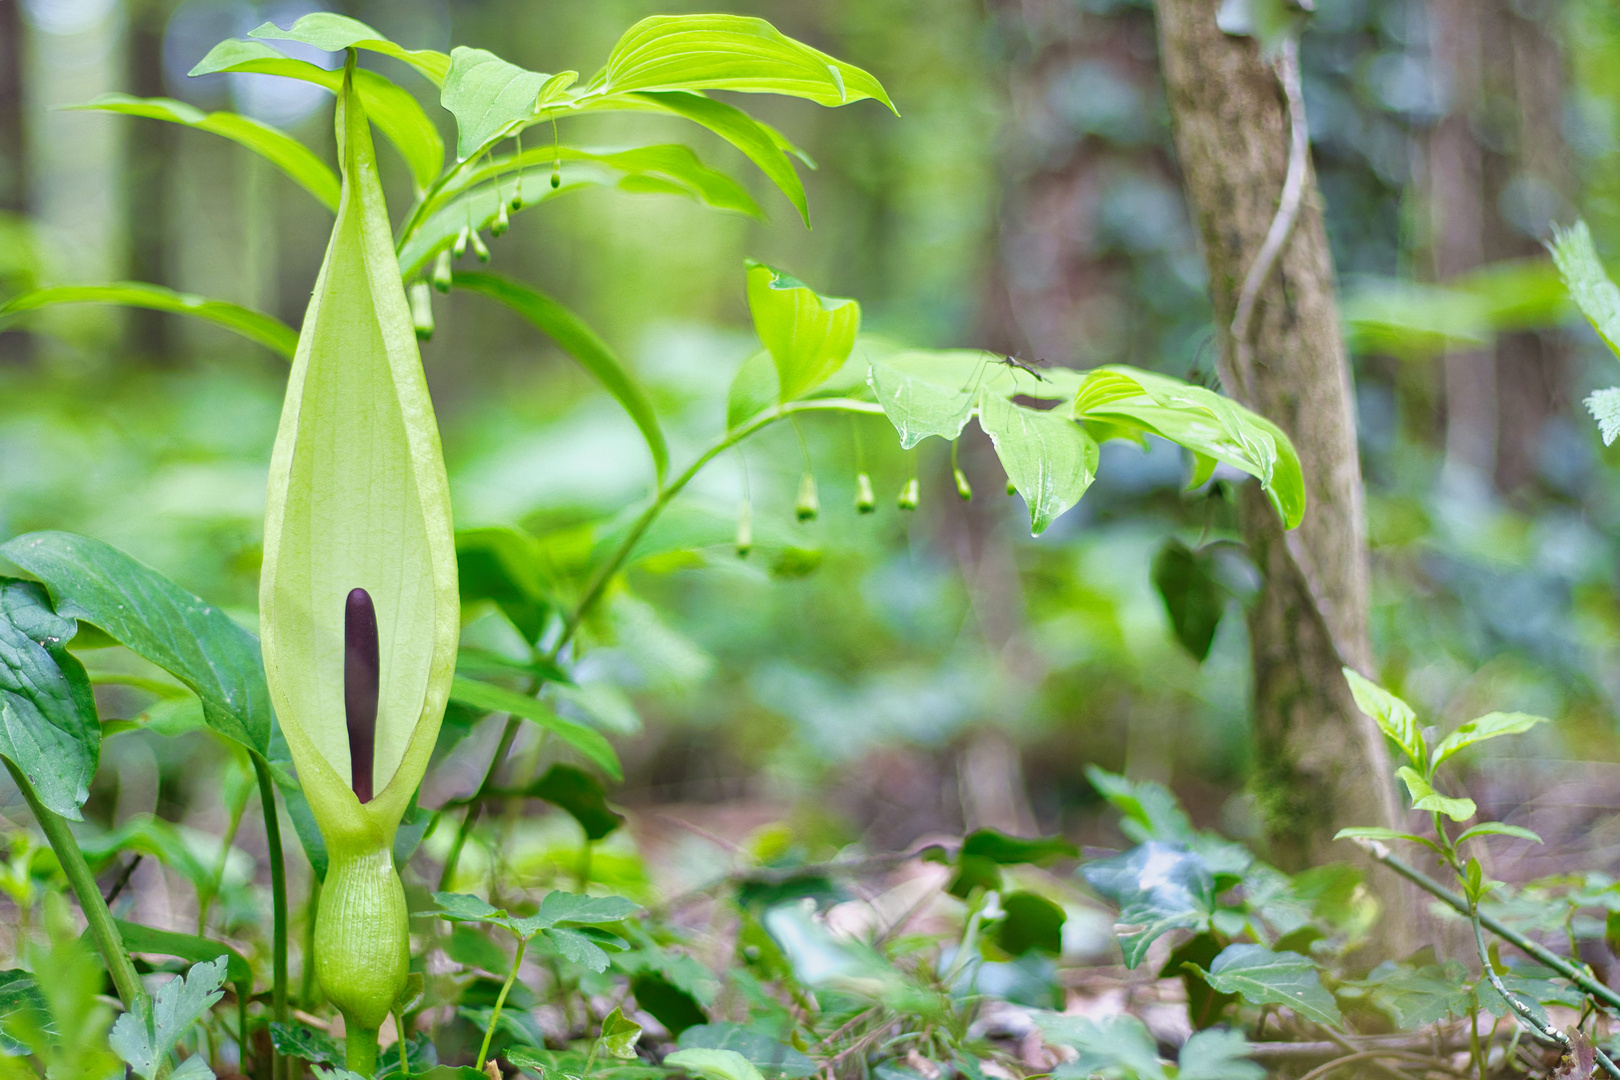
[[359, 610]]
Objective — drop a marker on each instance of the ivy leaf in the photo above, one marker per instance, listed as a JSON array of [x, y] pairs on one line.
[[145, 1039], [1193, 597], [706, 1064], [1031, 922], [1415, 997], [150, 615], [1393, 716], [729, 52], [1115, 1042], [619, 1035], [1490, 726], [1589, 286], [1158, 887], [1048, 457], [1263, 977], [809, 336], [283, 151], [1424, 797], [334, 33], [1604, 405], [1217, 1054]]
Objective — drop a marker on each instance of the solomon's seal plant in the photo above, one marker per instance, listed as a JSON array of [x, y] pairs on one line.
[[359, 607]]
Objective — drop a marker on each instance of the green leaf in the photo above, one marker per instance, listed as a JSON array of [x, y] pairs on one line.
[[560, 908], [1158, 887], [504, 564], [489, 98], [1151, 812], [147, 939], [1193, 598], [395, 112], [1048, 457], [581, 795], [675, 1008], [48, 723], [705, 1064], [256, 326], [1490, 726], [1218, 1054], [1201, 421], [334, 33], [304, 1042], [463, 907], [931, 391], [771, 1056], [152, 616], [280, 149], [1373, 832], [1113, 1043], [1424, 797], [753, 390], [358, 499], [475, 198], [583, 344], [1604, 405], [1267, 21], [1263, 977], [809, 336], [578, 948], [759, 142], [1393, 716], [1589, 286], [588, 741], [729, 52], [144, 1040], [1420, 996], [619, 1036], [468, 946], [1497, 828], [482, 664], [1007, 850], [1031, 922]]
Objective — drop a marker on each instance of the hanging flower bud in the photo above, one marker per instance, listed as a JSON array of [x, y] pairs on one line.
[[909, 495], [498, 226], [479, 249], [807, 506], [422, 310], [963, 488], [745, 530], [556, 175], [441, 271], [1012, 488], [459, 248], [865, 501], [358, 601]]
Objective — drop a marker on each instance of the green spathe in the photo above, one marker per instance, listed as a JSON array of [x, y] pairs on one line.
[[358, 499]]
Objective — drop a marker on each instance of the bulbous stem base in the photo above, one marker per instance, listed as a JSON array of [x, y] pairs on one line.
[[362, 941]]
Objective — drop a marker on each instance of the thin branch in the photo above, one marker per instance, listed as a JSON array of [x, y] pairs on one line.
[[123, 880]]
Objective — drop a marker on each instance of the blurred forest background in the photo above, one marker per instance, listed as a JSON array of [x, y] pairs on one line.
[[891, 677]]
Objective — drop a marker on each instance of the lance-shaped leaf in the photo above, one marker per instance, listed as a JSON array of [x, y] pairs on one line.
[[729, 52], [808, 335], [358, 500], [267, 330], [334, 33]]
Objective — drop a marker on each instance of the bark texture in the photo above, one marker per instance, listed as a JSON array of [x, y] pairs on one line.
[[1321, 764]]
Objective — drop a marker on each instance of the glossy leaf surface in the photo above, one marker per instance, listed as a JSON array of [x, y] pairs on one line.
[[809, 336], [1048, 457], [330, 32]]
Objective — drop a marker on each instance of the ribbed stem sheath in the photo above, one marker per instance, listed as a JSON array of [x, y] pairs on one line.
[[362, 937]]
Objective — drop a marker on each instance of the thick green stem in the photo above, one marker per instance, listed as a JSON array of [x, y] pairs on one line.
[[102, 927], [360, 1049], [500, 1000], [278, 900]]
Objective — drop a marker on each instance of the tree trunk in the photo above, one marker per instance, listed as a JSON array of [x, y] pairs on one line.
[[1321, 764]]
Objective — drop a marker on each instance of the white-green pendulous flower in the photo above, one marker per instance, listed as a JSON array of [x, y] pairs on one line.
[[358, 599]]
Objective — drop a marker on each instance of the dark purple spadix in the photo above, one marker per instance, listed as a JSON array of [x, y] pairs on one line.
[[361, 677]]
